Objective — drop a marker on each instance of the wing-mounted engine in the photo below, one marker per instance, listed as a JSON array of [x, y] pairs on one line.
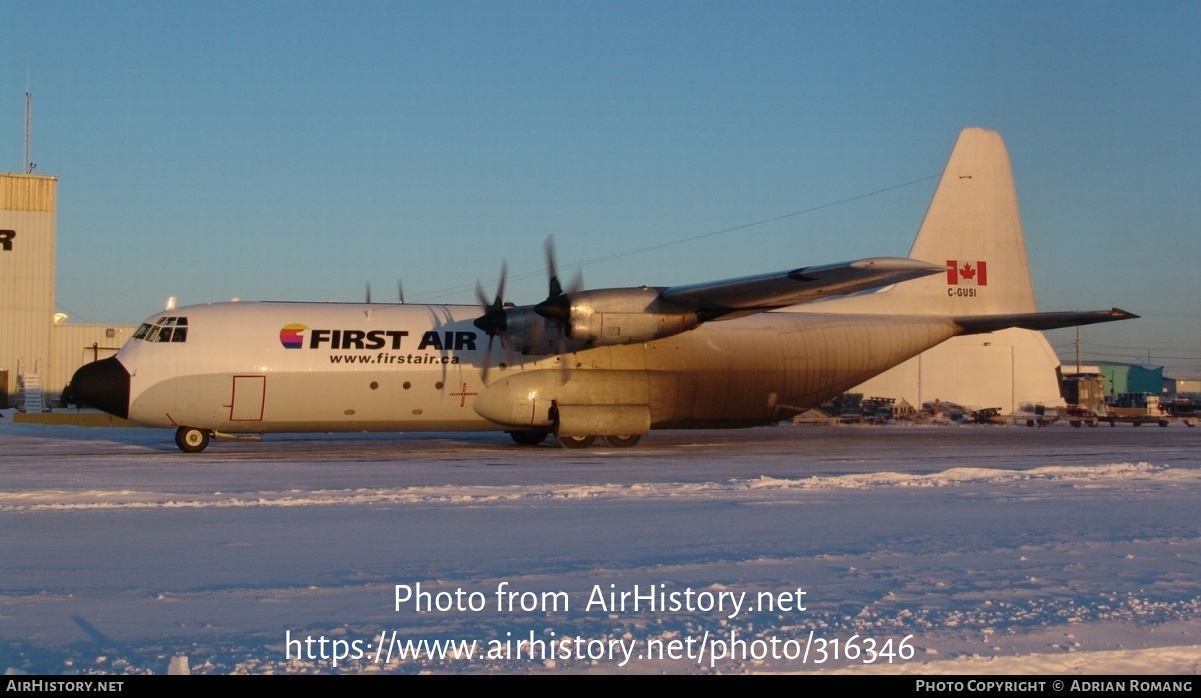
[[587, 319], [617, 316]]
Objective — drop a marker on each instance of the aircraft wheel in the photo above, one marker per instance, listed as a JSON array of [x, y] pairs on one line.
[[1075, 423], [625, 441], [1163, 422], [1029, 422], [529, 438], [191, 440], [577, 441]]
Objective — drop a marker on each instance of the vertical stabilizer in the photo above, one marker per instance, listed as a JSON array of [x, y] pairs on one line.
[[973, 226]]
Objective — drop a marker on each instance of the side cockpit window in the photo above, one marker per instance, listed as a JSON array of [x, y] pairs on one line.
[[165, 329]]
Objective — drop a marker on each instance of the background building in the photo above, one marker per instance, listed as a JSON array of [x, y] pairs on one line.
[[1181, 386], [34, 351], [1131, 378], [27, 227]]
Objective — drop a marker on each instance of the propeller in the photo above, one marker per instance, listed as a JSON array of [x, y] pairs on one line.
[[400, 292], [557, 306], [494, 321]]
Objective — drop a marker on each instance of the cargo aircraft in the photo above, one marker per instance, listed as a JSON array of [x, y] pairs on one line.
[[581, 364]]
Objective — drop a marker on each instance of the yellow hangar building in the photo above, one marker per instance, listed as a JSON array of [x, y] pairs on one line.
[[37, 354]]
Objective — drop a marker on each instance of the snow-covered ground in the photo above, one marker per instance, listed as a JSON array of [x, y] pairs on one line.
[[926, 549]]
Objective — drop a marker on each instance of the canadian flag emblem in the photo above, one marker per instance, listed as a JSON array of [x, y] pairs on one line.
[[964, 273]]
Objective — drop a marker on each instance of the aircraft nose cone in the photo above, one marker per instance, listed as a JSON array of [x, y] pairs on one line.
[[104, 385]]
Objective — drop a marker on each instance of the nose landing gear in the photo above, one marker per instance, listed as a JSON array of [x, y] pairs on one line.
[[191, 439]]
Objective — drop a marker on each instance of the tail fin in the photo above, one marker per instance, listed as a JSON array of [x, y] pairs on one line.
[[973, 226]]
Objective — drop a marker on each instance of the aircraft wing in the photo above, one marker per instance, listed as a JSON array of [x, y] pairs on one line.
[[755, 294], [979, 324]]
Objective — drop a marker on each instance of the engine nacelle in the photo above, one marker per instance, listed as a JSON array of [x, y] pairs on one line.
[[625, 316], [594, 319]]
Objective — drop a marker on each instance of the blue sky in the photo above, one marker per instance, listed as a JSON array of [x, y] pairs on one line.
[[296, 150]]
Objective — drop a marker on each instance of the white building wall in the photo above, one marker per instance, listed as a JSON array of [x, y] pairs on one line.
[[27, 231]]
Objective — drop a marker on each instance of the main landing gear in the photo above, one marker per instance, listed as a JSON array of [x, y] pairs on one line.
[[191, 439], [616, 441], [623, 441], [576, 441], [535, 437]]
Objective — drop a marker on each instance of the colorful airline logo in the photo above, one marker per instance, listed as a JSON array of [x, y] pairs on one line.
[[292, 336], [965, 273]]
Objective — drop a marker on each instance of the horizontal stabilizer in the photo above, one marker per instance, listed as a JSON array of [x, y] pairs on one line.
[[979, 324], [754, 294]]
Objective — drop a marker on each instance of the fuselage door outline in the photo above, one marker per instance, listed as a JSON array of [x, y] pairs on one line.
[[248, 399]]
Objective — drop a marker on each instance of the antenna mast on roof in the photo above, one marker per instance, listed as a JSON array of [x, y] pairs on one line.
[[29, 164]]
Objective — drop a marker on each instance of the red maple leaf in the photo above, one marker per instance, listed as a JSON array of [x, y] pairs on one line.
[[967, 272]]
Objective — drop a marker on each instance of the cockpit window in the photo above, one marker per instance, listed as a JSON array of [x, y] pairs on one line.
[[165, 329]]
